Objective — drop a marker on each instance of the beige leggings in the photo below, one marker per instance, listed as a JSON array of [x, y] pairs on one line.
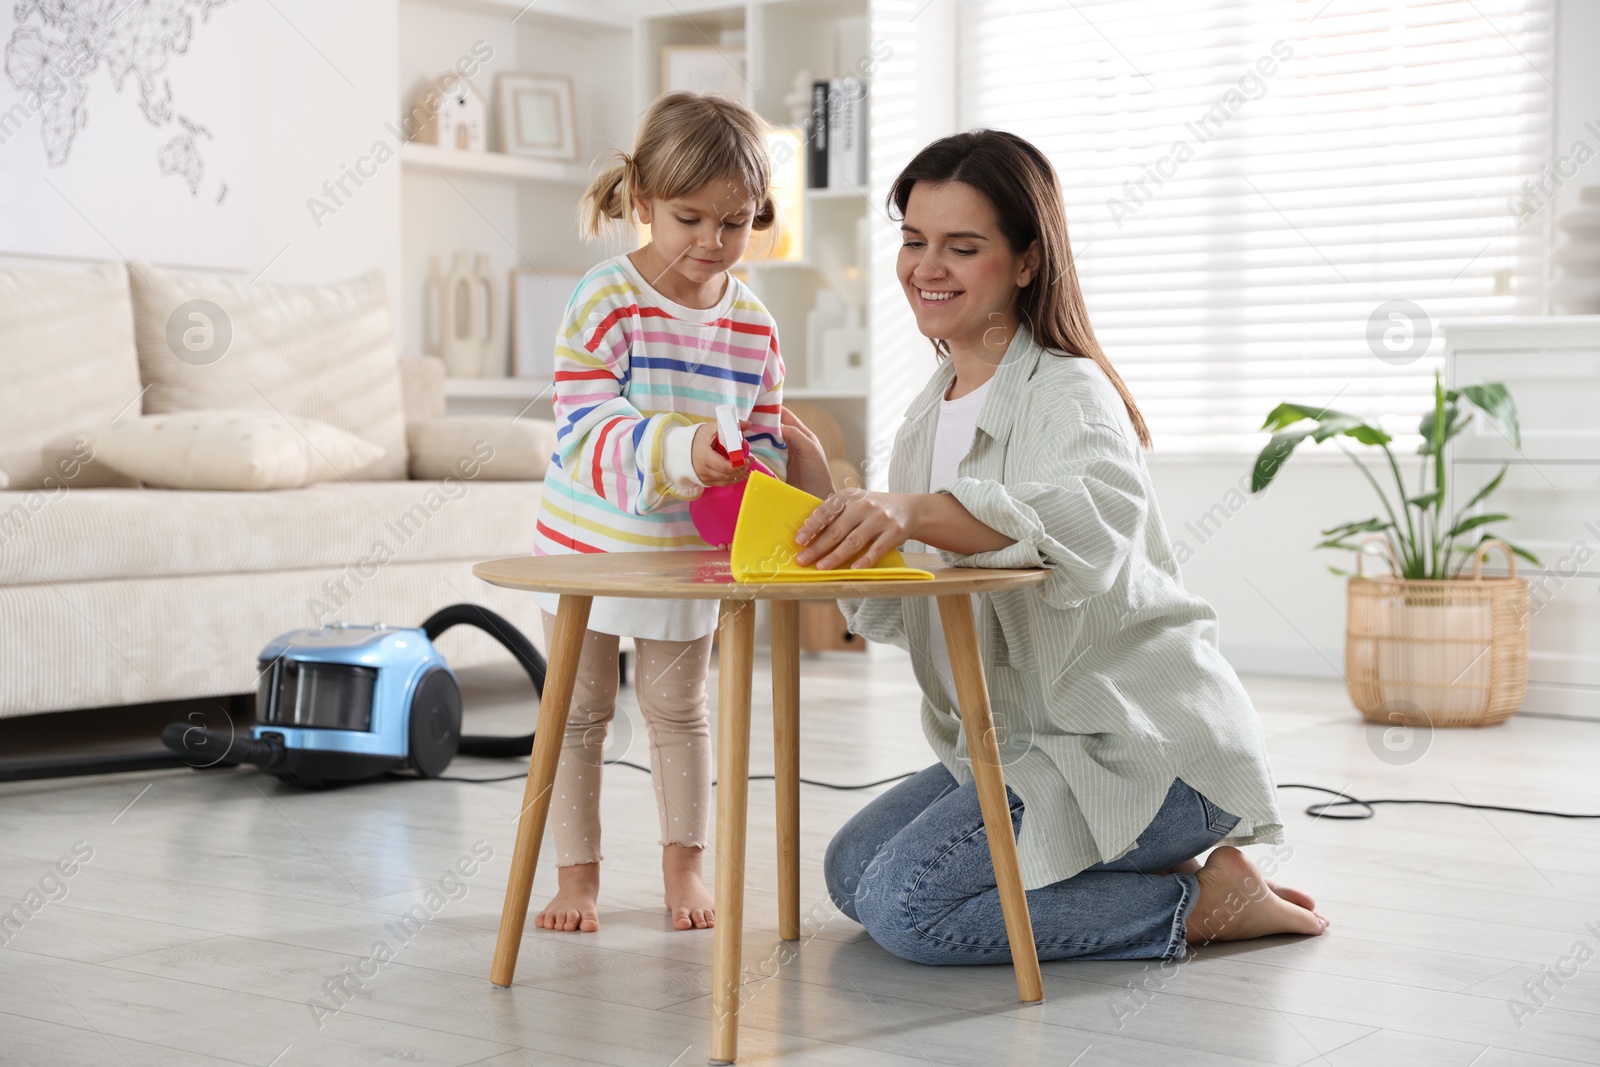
[[670, 682]]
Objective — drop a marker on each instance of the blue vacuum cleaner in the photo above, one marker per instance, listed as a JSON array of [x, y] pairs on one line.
[[349, 702]]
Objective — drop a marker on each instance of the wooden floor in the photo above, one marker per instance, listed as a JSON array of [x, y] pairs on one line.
[[225, 918]]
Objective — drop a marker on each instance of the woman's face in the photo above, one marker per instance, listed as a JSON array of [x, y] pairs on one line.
[[956, 267]]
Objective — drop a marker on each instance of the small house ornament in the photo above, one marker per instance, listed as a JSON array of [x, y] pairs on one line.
[[460, 114]]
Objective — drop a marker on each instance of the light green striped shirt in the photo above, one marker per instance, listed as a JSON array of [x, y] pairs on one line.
[[1105, 680]]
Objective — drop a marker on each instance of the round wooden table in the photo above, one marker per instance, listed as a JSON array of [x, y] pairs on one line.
[[578, 578]]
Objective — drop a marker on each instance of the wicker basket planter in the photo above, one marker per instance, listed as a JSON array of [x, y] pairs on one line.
[[1438, 653]]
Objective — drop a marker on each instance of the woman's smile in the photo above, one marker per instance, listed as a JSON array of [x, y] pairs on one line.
[[960, 275]]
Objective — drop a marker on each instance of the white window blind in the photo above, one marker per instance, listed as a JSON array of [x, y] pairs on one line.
[[1248, 183]]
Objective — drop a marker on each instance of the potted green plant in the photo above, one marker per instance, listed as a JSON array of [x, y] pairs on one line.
[[1424, 645]]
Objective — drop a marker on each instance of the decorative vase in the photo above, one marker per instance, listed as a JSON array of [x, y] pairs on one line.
[[432, 308], [461, 340], [491, 360]]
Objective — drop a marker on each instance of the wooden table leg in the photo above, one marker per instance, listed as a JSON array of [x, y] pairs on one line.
[[977, 722], [786, 755], [566, 646], [736, 629]]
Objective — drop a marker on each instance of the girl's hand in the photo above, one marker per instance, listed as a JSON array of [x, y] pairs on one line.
[[854, 520], [808, 463], [712, 466]]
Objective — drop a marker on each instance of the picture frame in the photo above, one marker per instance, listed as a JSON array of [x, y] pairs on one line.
[[536, 116], [538, 300], [704, 68]]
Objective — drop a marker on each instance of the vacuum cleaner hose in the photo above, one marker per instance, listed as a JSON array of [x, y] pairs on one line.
[[501, 630], [205, 747]]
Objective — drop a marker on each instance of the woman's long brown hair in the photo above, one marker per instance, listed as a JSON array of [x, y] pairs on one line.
[[1022, 185]]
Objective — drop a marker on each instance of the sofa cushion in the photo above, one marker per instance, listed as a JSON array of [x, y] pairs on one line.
[[324, 352], [131, 533], [505, 449], [67, 368], [422, 387], [234, 450]]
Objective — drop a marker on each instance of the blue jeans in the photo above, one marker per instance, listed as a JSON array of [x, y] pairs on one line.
[[913, 868]]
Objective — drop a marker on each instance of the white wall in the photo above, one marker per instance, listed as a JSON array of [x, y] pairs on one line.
[[319, 83], [325, 77], [1278, 608]]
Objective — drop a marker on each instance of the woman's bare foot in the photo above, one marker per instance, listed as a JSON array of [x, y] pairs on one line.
[[688, 899], [573, 908], [1236, 903], [1293, 896]]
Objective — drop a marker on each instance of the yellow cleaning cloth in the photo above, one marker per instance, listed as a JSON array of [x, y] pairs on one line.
[[763, 539]]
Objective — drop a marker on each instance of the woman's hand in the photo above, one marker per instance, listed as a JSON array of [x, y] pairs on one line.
[[808, 463], [712, 466], [855, 523]]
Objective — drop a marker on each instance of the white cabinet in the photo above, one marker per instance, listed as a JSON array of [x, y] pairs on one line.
[[1552, 488]]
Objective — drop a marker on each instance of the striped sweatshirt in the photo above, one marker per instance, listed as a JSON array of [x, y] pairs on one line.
[[635, 372]]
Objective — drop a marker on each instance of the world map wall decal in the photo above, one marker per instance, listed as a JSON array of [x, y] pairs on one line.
[[49, 62]]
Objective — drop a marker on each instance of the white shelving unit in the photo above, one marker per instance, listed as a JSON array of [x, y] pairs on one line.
[[779, 39], [801, 392], [496, 388], [574, 14], [422, 157], [523, 211], [519, 210]]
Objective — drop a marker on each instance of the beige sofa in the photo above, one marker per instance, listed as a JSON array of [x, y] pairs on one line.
[[115, 593]]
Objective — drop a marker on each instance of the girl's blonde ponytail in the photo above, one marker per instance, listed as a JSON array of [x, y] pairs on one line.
[[609, 197]]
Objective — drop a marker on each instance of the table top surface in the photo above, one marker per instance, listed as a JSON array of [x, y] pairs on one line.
[[706, 576]]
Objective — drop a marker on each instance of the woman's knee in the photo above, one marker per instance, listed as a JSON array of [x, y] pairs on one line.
[[842, 862], [865, 844], [882, 903]]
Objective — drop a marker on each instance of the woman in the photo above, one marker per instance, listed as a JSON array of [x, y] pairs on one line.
[[1129, 745]]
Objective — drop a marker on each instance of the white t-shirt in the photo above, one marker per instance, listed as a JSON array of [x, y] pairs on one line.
[[952, 440]]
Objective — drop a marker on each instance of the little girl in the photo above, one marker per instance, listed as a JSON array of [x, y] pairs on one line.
[[652, 342]]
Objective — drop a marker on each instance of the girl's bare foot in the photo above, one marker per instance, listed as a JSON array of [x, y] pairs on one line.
[[1293, 896], [573, 908], [688, 899], [1236, 903]]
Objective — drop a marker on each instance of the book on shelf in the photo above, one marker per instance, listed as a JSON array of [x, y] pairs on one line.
[[817, 138], [836, 143], [847, 147]]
